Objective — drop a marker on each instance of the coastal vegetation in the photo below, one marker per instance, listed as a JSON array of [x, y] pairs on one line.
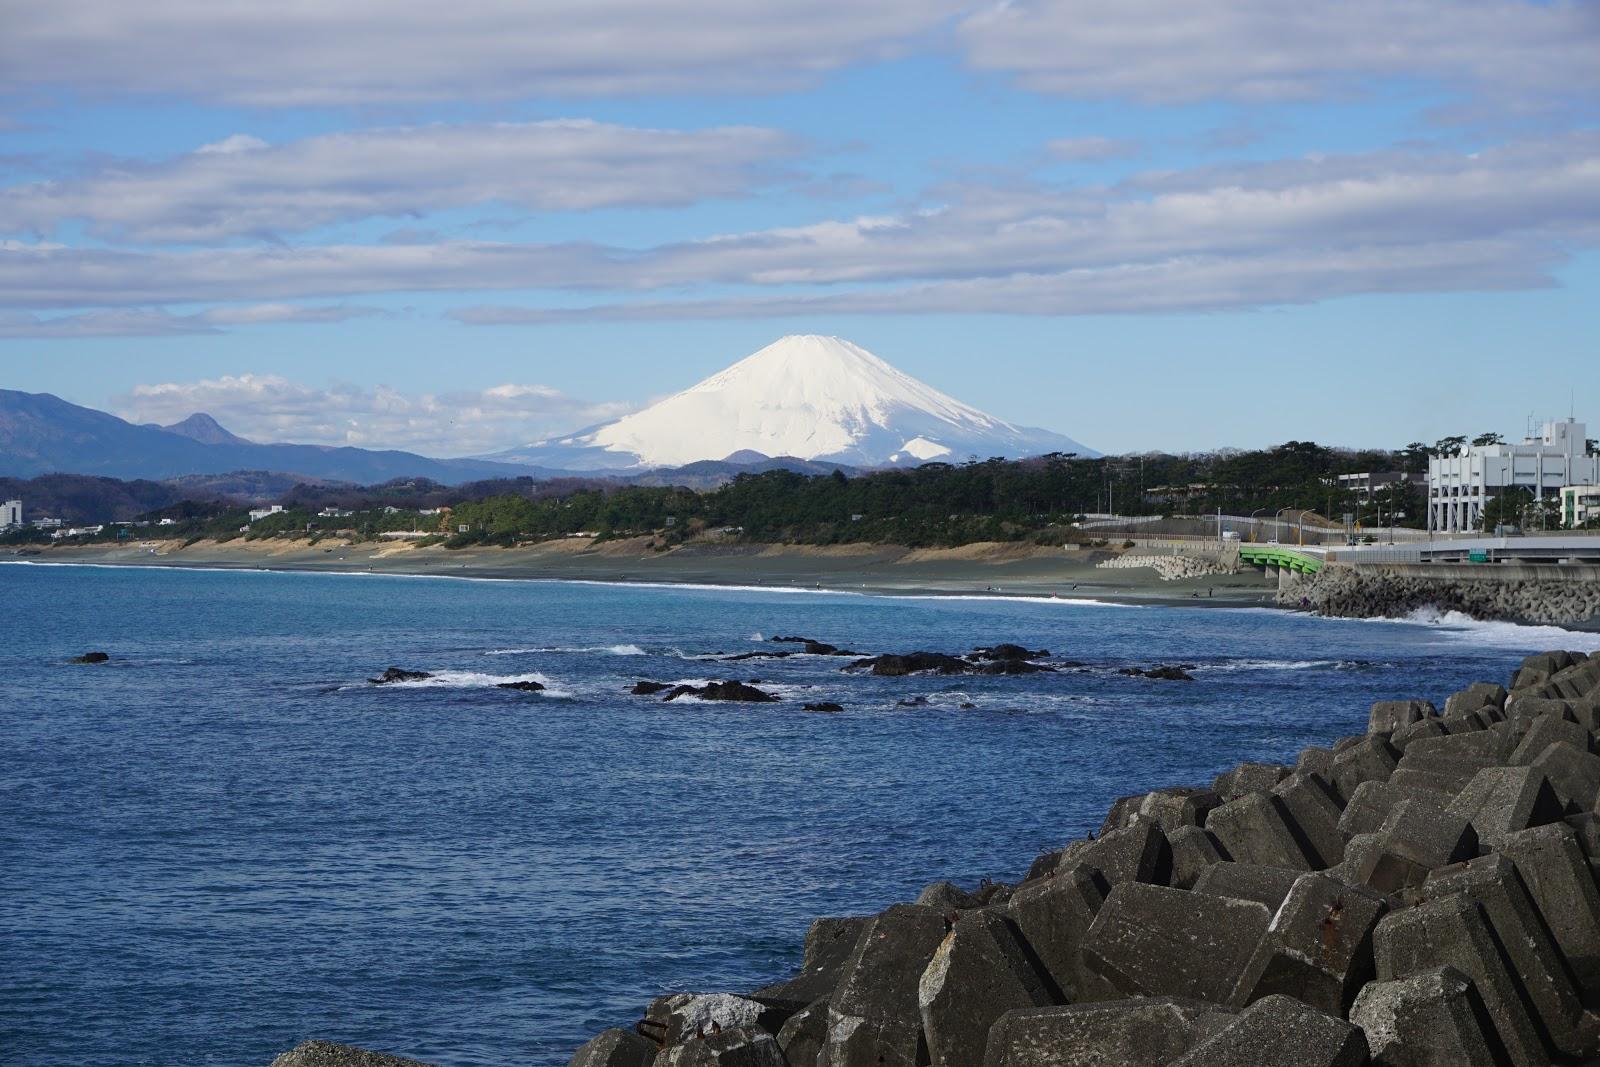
[[935, 504]]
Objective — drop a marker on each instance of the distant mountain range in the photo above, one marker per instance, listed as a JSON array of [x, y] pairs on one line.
[[43, 434], [807, 404], [820, 399]]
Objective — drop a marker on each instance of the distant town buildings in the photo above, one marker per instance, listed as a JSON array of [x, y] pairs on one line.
[[1580, 505], [1461, 486], [1370, 483], [10, 514]]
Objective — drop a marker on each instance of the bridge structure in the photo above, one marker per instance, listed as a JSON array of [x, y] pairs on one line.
[[1275, 559]]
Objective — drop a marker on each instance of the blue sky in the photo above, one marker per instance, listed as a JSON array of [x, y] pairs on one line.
[[1148, 225]]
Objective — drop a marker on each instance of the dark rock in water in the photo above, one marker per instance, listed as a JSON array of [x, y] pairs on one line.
[[1164, 674], [825, 705], [730, 690], [756, 655], [91, 657], [892, 666], [912, 702], [815, 648], [822, 648], [395, 674], [968, 706], [327, 1054], [1014, 666], [649, 689], [524, 687], [1007, 652]]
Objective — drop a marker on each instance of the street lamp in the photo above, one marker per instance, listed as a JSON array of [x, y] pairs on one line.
[[1253, 515], [1277, 522]]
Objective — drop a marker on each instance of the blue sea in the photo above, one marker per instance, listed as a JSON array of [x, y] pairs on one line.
[[225, 841]]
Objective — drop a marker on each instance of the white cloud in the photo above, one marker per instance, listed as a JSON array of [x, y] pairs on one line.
[[1170, 51], [1309, 220], [271, 408], [156, 322], [1181, 284], [243, 186], [304, 52]]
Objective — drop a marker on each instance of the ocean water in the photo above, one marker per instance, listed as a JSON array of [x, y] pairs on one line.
[[225, 841]]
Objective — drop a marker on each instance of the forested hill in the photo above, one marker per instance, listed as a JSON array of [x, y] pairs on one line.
[[944, 504], [934, 504]]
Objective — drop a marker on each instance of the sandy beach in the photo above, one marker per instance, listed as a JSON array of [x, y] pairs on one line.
[[980, 569]]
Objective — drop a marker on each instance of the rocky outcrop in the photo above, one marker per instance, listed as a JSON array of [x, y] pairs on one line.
[[397, 674], [993, 660], [521, 687], [731, 690], [1366, 593], [1161, 674], [92, 657], [815, 648]]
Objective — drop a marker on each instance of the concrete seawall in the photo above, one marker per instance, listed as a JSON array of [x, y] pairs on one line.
[[1548, 594]]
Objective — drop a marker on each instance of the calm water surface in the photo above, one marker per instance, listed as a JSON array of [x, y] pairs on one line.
[[224, 841]]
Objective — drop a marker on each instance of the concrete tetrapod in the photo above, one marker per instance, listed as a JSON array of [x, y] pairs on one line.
[[1454, 932], [1318, 948], [1145, 1031], [873, 1017], [1430, 1019], [1280, 1030], [615, 1048], [980, 972], [1155, 941], [328, 1054]]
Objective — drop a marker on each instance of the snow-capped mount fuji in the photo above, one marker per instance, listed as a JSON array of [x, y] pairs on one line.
[[807, 397]]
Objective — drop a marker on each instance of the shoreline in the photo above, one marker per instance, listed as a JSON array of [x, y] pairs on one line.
[[1017, 572]]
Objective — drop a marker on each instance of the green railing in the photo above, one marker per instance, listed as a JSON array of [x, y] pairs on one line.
[[1278, 556]]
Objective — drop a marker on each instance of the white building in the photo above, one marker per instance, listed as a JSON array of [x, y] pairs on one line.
[[1370, 484], [1580, 504], [1461, 486], [10, 514], [261, 513]]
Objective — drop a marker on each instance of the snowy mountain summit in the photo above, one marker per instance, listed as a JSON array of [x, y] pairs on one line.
[[809, 397]]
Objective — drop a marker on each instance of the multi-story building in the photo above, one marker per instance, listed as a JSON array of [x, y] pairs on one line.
[[1461, 486], [1580, 505], [1370, 484], [10, 514]]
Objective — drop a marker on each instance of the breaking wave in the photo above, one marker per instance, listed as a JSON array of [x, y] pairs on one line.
[[472, 680]]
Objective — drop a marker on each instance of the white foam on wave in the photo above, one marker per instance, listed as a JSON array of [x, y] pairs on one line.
[[475, 680], [592, 650], [1282, 665], [1504, 635], [1007, 598]]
